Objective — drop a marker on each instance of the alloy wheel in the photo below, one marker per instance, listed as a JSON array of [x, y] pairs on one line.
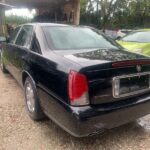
[[30, 97]]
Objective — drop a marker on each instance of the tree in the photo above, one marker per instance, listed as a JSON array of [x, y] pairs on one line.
[[116, 13]]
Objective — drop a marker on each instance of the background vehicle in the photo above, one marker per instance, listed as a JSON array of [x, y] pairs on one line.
[[138, 41], [117, 34], [78, 77]]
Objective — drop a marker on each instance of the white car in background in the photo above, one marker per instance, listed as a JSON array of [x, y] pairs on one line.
[[117, 34]]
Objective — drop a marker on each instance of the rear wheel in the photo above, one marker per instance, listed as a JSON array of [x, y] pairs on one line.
[[32, 100], [4, 70]]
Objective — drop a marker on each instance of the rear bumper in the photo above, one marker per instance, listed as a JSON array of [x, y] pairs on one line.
[[88, 120], [108, 120], [103, 120]]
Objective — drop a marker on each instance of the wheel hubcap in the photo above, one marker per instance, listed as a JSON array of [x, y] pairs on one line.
[[30, 97]]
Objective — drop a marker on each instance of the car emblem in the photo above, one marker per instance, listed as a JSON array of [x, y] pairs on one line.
[[139, 68]]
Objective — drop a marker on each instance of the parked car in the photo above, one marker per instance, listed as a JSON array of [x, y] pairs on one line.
[[2, 39], [79, 78], [137, 41], [126, 31], [117, 34]]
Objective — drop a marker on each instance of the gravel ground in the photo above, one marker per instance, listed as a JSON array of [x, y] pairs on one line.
[[19, 132]]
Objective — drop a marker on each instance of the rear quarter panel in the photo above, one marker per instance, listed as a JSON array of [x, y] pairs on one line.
[[50, 74]]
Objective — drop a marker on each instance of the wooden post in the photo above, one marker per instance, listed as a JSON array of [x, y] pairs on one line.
[[2, 19], [2, 16], [76, 4]]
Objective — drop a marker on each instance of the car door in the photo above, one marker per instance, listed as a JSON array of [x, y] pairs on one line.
[[21, 51], [8, 50]]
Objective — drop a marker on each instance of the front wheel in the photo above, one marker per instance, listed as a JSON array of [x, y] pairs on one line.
[[32, 100]]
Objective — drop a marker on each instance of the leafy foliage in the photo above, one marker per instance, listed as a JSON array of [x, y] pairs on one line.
[[16, 20], [116, 13], [110, 14]]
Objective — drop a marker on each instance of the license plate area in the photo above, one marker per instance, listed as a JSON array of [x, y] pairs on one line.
[[133, 84]]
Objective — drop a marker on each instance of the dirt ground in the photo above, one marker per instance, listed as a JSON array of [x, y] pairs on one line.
[[19, 132]]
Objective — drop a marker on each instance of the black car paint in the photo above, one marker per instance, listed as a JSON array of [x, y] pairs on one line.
[[97, 66], [49, 70]]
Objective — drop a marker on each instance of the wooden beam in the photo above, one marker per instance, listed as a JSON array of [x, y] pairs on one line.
[[76, 4], [34, 3], [2, 22]]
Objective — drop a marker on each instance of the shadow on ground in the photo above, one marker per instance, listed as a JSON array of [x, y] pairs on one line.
[[111, 139]]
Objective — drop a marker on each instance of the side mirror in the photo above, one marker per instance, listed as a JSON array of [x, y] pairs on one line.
[[2, 39]]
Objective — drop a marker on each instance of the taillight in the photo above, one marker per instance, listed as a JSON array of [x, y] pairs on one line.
[[0, 46], [78, 89]]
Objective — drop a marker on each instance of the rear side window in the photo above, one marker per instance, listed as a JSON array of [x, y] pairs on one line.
[[25, 35], [14, 35], [35, 46]]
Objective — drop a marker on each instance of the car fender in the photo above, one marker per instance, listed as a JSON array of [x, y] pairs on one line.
[[28, 73]]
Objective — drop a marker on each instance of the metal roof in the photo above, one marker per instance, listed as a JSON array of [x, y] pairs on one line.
[[5, 6], [35, 3]]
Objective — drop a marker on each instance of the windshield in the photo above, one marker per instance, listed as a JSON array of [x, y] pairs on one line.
[[77, 38], [140, 37]]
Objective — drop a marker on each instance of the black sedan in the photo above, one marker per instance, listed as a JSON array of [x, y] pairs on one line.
[[82, 80]]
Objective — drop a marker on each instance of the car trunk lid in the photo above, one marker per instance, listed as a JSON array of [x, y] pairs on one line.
[[92, 57], [103, 65]]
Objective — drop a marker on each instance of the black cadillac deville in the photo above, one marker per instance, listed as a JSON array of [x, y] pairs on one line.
[[79, 78]]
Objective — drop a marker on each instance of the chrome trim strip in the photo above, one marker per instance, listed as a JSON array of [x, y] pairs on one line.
[[128, 76]]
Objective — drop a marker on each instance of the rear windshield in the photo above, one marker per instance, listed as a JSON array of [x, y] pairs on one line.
[[72, 38], [139, 37]]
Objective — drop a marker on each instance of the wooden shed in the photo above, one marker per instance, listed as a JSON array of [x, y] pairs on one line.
[[71, 8]]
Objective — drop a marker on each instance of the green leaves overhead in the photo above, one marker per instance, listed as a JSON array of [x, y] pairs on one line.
[[116, 13]]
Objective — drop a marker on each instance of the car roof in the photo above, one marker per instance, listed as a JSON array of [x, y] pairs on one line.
[[148, 29], [45, 24], [54, 25]]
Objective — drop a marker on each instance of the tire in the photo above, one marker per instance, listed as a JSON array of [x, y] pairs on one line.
[[32, 101], [4, 70]]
